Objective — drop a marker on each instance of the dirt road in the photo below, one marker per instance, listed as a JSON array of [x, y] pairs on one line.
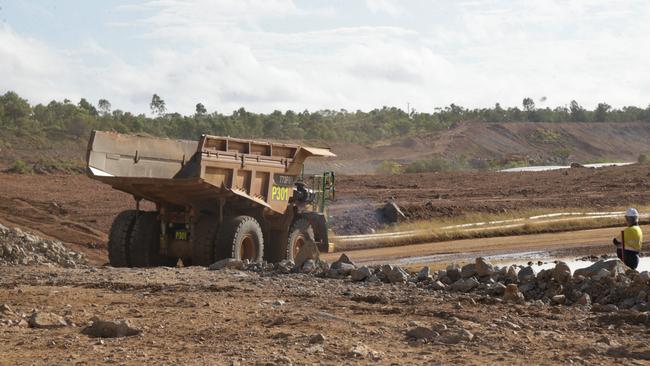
[[440, 253]]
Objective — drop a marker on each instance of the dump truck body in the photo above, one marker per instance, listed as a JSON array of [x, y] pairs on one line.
[[214, 179]]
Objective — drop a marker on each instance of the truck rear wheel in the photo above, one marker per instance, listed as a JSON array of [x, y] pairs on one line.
[[241, 237], [300, 232], [145, 242], [119, 239], [204, 239]]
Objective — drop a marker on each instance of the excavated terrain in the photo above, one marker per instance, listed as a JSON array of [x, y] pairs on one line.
[[197, 317], [78, 210]]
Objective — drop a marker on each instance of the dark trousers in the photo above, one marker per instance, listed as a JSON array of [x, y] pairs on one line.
[[630, 257]]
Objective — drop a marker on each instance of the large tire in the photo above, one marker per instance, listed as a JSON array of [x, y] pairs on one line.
[[300, 232], [241, 238], [119, 239], [145, 242], [204, 239]]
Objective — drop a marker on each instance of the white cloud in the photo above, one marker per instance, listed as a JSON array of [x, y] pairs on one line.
[[233, 53], [390, 7]]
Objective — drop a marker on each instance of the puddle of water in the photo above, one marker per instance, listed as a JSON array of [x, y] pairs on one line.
[[543, 168], [548, 263], [508, 259]]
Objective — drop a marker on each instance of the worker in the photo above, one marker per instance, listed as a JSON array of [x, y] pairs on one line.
[[628, 243]]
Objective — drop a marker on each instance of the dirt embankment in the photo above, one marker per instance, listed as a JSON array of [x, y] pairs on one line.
[[441, 195], [536, 142]]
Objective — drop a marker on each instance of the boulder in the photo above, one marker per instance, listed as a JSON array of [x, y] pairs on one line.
[[361, 274], [456, 336], [344, 268], [284, 266], [562, 272], [421, 333], [558, 299], [468, 270], [392, 213], [308, 251], [6, 310], [45, 320], [308, 266], [483, 268], [526, 274], [465, 285], [110, 329], [614, 266], [453, 273], [512, 294], [424, 274], [228, 263], [498, 289], [585, 299], [397, 275], [438, 285], [317, 339], [602, 274], [512, 274], [343, 259]]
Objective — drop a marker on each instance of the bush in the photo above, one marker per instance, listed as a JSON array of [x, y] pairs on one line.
[[435, 164], [389, 167], [20, 167], [643, 158]]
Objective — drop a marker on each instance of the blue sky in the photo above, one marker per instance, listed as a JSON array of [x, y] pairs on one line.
[[283, 54]]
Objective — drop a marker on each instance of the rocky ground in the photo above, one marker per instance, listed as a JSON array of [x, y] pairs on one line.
[[335, 314], [18, 247]]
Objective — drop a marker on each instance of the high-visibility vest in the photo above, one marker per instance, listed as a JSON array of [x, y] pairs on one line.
[[632, 238]]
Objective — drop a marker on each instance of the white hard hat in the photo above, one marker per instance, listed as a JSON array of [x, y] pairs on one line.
[[632, 212]]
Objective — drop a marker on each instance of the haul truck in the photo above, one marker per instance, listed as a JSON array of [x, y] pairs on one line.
[[215, 198]]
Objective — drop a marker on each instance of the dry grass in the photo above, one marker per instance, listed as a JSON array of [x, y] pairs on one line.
[[495, 225]]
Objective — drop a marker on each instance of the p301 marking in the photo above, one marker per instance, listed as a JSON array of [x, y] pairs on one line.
[[280, 193]]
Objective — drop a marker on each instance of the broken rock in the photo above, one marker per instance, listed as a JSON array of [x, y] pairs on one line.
[[110, 329], [361, 274], [614, 266], [228, 263], [421, 333], [512, 294], [562, 272], [308, 251], [45, 320], [483, 268]]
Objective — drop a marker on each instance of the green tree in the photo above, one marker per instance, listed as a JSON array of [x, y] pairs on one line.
[[104, 106], [14, 107], [529, 104], [601, 111], [157, 105], [86, 106], [578, 114], [200, 109]]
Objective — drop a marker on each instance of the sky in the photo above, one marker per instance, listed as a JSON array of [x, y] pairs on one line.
[[267, 55]]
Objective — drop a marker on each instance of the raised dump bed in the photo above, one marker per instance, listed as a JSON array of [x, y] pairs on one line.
[[216, 198]]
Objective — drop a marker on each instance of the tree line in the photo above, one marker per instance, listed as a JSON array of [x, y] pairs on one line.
[[65, 119]]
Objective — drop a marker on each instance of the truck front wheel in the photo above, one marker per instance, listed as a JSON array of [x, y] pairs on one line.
[[300, 232], [241, 238]]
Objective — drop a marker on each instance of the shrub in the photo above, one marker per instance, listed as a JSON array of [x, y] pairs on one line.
[[643, 158], [389, 167], [435, 164], [20, 167]]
